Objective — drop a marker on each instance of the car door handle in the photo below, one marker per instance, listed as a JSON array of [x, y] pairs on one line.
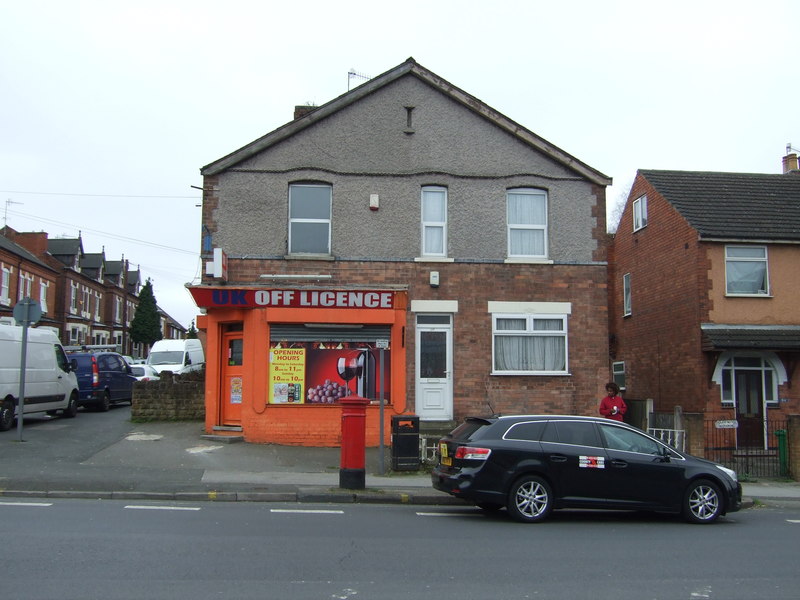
[[558, 458], [619, 463]]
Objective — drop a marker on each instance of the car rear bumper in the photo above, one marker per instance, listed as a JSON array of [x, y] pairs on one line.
[[462, 484]]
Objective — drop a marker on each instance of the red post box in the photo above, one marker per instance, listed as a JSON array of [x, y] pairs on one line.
[[352, 475]]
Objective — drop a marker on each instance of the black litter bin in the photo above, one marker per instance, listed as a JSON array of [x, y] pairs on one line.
[[405, 443]]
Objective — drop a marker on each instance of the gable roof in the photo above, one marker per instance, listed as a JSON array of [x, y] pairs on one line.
[[733, 206], [14, 248], [409, 67]]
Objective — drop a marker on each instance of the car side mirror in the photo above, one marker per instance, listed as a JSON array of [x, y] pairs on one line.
[[666, 455]]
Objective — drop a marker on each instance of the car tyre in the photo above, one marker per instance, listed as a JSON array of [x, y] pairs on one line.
[[72, 407], [6, 415], [530, 499], [702, 502], [105, 402]]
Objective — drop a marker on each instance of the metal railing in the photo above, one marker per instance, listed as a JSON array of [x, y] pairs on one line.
[[674, 437], [753, 448]]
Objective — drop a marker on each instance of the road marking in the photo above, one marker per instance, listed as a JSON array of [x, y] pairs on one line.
[[792, 521], [145, 507], [307, 511], [26, 503], [450, 514]]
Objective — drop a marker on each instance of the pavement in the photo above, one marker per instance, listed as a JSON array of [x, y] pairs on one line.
[[114, 458]]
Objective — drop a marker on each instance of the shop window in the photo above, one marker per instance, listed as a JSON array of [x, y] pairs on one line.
[[324, 372]]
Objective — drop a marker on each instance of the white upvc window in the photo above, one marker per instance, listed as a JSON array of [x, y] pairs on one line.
[[746, 270], [86, 296], [25, 285], [98, 298], [529, 344], [43, 287], [117, 309], [310, 218], [618, 373], [73, 297], [626, 294], [526, 218], [640, 213], [434, 221], [5, 285]]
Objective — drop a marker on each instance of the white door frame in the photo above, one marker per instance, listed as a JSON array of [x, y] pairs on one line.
[[434, 391]]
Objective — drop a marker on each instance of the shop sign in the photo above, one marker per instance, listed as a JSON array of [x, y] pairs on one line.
[[287, 371], [280, 298]]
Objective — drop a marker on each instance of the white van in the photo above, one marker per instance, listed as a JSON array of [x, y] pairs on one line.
[[50, 384], [178, 356]]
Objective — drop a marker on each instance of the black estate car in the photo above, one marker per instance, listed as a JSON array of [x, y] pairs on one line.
[[536, 463]]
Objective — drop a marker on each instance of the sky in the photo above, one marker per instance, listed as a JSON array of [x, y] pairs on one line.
[[109, 109]]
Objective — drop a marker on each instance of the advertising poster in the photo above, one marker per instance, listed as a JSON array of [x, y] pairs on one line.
[[287, 373]]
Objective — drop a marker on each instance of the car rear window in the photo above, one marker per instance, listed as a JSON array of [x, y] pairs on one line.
[[467, 429], [83, 360], [138, 371]]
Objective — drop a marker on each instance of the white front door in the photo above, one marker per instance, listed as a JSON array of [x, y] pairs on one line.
[[434, 373]]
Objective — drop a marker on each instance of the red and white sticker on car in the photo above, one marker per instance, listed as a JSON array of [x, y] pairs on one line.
[[592, 462]]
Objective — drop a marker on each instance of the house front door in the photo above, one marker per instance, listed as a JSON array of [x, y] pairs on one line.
[[750, 408], [231, 410], [434, 372]]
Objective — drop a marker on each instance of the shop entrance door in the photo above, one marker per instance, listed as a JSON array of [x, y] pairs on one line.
[[231, 369], [434, 372]]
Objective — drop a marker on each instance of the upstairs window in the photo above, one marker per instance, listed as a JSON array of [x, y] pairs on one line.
[[434, 221], [526, 216], [25, 285], [746, 272], [640, 213], [5, 285], [43, 287], [310, 218]]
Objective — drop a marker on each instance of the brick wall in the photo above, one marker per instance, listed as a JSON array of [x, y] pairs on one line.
[[172, 398]]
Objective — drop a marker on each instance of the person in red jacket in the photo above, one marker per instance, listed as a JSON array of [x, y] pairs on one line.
[[613, 406]]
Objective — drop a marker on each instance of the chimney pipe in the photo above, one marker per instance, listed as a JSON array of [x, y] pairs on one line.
[[302, 111]]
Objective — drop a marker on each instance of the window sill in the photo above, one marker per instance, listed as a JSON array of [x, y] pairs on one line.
[[434, 259], [530, 373], [309, 257], [727, 295], [519, 260]]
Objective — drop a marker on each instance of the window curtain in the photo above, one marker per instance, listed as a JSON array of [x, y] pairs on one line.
[[524, 211], [747, 277]]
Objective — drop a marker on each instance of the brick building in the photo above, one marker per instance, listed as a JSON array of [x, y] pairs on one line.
[[703, 289], [404, 224]]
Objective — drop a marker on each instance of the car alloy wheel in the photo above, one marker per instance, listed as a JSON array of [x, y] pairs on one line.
[[530, 499], [702, 503]]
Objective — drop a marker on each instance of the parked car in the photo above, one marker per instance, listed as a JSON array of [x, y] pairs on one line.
[[144, 373], [104, 378], [532, 464], [50, 384]]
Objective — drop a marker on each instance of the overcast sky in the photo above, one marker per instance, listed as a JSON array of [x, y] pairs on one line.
[[108, 109]]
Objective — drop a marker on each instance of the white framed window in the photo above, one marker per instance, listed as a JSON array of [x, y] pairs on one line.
[[640, 213], [626, 295], [526, 219], [746, 270], [43, 287], [310, 218], [73, 297], [618, 373], [97, 303], [86, 297], [117, 309], [25, 285], [529, 344], [434, 221], [5, 285]]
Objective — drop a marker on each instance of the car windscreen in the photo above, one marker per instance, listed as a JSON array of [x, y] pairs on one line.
[[171, 357]]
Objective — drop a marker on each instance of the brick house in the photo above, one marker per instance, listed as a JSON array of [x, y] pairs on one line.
[[704, 283], [404, 224], [24, 274]]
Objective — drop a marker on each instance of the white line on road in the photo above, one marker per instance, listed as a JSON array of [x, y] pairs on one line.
[[26, 503], [444, 514], [145, 507], [307, 511], [792, 521]]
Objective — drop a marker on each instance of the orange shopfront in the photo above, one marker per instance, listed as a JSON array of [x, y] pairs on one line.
[[279, 360]]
